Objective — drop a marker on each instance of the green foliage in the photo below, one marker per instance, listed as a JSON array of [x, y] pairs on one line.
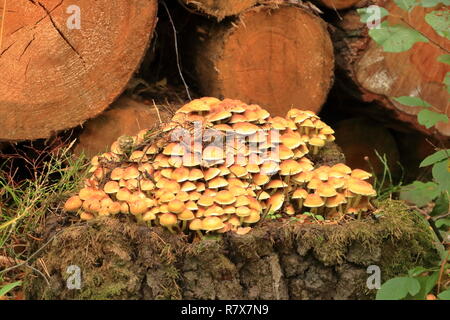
[[439, 21], [396, 38], [398, 288], [420, 193], [435, 157], [430, 118], [9, 287], [412, 101]]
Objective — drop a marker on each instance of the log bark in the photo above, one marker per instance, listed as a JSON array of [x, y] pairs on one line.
[[56, 75], [275, 56], [220, 8], [338, 4], [379, 76]]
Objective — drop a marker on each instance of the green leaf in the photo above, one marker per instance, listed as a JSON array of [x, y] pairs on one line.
[[439, 21], [429, 118], [398, 288], [433, 3], [420, 193], [435, 157], [406, 4], [427, 284], [417, 271], [445, 58], [368, 15], [397, 38], [441, 175], [444, 222], [412, 101], [319, 217], [7, 288], [444, 295], [441, 205], [447, 81]]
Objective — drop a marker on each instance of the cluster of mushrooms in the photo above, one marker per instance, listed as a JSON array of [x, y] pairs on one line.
[[221, 165]]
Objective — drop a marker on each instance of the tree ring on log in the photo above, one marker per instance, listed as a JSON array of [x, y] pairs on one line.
[[56, 75]]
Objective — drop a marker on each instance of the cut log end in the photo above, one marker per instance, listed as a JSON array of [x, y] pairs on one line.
[[278, 58], [338, 4], [62, 65]]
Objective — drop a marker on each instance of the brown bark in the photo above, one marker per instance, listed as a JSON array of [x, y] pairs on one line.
[[338, 4], [220, 8], [274, 56], [55, 77], [379, 76]]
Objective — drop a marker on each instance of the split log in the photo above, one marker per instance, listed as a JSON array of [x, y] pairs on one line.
[[380, 75], [274, 56], [55, 73], [220, 8], [125, 117]]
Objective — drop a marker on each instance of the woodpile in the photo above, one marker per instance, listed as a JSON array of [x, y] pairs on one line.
[[379, 76], [278, 54]]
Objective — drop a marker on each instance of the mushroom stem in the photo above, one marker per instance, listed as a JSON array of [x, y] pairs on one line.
[[200, 234], [357, 200], [315, 150], [183, 225]]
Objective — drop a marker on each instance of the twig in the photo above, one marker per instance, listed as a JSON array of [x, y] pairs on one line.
[[176, 49], [157, 111]]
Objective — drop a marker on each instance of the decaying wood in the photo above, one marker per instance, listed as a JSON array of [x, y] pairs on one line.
[[55, 75], [274, 56]]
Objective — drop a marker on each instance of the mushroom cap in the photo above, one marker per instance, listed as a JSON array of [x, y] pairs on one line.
[[360, 174], [326, 190], [211, 153], [214, 211], [176, 206], [111, 187], [180, 174], [342, 168], [224, 197], [186, 215], [148, 216], [300, 194], [276, 184], [211, 173], [245, 128], [276, 201], [314, 183], [188, 186], [290, 167], [238, 170], [212, 224], [254, 217], [168, 219], [138, 207], [174, 149], [131, 172], [260, 179], [243, 211], [117, 173], [313, 200], [196, 224], [73, 204], [333, 202], [317, 142], [123, 194], [361, 187], [219, 115], [291, 139], [86, 216], [205, 201], [217, 182]]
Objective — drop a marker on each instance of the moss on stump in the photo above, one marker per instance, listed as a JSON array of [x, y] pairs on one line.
[[276, 260]]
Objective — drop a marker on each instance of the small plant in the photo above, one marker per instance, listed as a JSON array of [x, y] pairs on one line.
[[420, 281]]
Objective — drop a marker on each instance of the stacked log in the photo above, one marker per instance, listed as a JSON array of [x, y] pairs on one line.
[[379, 76], [62, 65], [277, 56]]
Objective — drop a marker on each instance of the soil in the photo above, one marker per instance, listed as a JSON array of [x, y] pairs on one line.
[[120, 259]]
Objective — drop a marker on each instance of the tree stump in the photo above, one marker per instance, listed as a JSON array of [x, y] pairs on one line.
[[274, 56], [57, 73]]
